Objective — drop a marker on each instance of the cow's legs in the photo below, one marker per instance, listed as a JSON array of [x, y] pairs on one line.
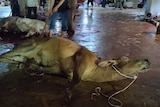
[[31, 66], [77, 73]]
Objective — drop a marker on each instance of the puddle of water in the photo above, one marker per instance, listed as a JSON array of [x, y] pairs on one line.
[[3, 67], [3, 49]]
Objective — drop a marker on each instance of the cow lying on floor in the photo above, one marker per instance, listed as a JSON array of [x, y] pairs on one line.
[[62, 56], [17, 24]]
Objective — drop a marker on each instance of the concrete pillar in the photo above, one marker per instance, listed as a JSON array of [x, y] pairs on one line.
[[153, 6]]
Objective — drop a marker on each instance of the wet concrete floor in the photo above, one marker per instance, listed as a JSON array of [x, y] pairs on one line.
[[110, 34]]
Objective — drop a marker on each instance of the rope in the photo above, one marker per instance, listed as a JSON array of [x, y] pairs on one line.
[[43, 30], [98, 90], [126, 76]]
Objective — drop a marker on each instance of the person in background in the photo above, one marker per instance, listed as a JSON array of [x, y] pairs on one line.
[[58, 8], [42, 3], [90, 1], [32, 8], [41, 6], [15, 8], [98, 2], [22, 6], [4, 3], [104, 2], [118, 4]]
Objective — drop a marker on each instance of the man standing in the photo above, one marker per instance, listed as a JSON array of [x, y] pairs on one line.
[[15, 8], [22, 6], [58, 8], [118, 4]]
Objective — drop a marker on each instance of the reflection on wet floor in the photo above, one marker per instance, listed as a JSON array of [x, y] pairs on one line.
[[3, 49], [110, 34], [5, 11]]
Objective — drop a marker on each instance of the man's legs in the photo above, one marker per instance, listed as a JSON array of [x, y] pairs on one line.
[[121, 4], [88, 3], [35, 12], [92, 4], [53, 19], [29, 12], [64, 17]]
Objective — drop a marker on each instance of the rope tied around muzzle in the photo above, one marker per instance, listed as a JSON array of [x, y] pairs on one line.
[[98, 90]]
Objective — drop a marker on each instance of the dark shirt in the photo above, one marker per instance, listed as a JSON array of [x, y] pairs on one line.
[[63, 7], [42, 2], [15, 7]]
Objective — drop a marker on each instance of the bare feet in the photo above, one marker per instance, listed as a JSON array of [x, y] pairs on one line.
[[50, 33]]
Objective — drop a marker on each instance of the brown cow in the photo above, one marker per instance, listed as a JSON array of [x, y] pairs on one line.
[[64, 57]]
